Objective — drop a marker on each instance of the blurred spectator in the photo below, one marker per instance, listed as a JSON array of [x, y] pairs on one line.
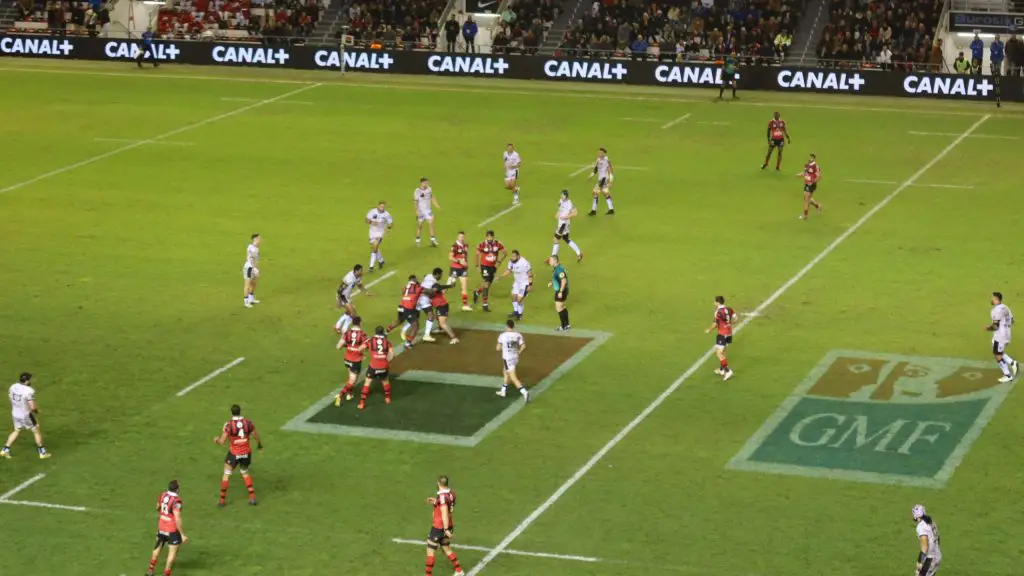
[[500, 42], [977, 54], [1013, 55], [885, 57], [937, 60], [469, 31], [451, 33], [961, 65], [782, 43], [996, 54], [639, 48]]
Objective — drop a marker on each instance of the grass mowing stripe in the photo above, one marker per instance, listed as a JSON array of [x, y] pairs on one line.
[[583, 470], [134, 145], [210, 376]]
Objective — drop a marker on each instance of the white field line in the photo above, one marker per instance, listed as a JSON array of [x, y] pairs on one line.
[[210, 376], [427, 87], [122, 140], [163, 136], [380, 279], [45, 505], [682, 118], [954, 134], [589, 464], [509, 552], [581, 170], [300, 102], [22, 486], [498, 215], [961, 186], [891, 182]]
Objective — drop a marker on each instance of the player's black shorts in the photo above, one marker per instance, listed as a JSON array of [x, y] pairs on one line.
[[441, 310], [721, 340], [408, 315], [602, 182], [810, 188], [172, 538], [249, 272], [437, 535], [354, 367], [562, 296], [457, 272], [342, 300], [562, 232], [379, 374], [488, 273], [238, 460], [998, 347], [778, 142]]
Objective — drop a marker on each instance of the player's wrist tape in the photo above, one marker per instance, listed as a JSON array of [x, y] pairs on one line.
[[921, 557]]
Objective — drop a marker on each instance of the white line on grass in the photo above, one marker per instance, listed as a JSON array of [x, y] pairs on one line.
[[382, 278], [570, 557], [954, 134], [175, 132], [122, 140], [676, 121], [210, 376], [45, 505], [892, 182], [589, 464], [22, 486], [498, 215], [300, 102], [581, 170], [961, 186]]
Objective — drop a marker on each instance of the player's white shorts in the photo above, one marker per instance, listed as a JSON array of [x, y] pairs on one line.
[[248, 272], [423, 303], [520, 289], [509, 364], [376, 237], [998, 347], [424, 215], [24, 422], [563, 229], [512, 174]]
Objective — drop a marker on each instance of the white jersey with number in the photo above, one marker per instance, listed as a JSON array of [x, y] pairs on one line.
[[379, 222], [510, 343], [21, 396], [512, 162], [423, 303], [520, 276], [1002, 319], [349, 283], [931, 531], [424, 203], [603, 169]]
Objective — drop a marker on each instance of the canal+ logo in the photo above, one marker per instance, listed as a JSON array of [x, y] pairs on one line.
[[883, 418]]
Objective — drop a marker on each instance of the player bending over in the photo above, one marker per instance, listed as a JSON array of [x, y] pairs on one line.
[[489, 255], [441, 530], [439, 305], [512, 164], [170, 531], [349, 284], [354, 343], [605, 176], [251, 271], [778, 136], [424, 200], [25, 413], [811, 174], [241, 431], [724, 319]]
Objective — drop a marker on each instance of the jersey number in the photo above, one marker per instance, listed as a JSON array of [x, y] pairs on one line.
[[241, 430], [380, 346], [165, 507]]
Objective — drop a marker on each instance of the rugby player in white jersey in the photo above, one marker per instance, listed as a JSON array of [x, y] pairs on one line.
[[566, 212], [424, 200], [512, 164], [1001, 326], [352, 281], [605, 176], [380, 222], [522, 281], [511, 345], [251, 271], [24, 412], [929, 555]]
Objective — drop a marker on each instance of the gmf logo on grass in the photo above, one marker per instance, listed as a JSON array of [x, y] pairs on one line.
[[878, 418]]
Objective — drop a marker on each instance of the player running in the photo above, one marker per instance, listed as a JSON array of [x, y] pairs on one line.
[[512, 164], [241, 431], [522, 281], [560, 283], [458, 259], [1001, 326], [352, 281], [424, 200], [566, 212], [441, 530], [251, 271], [929, 555], [511, 345], [605, 176], [408, 314], [489, 255], [170, 531], [24, 412], [380, 222], [381, 355], [439, 307], [725, 317], [730, 75], [354, 343], [778, 136], [811, 174]]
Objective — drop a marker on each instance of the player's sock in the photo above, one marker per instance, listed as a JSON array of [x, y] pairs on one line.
[[430, 565], [167, 572], [575, 247], [223, 490], [608, 200], [41, 449], [721, 91], [152, 564], [724, 364], [380, 258], [455, 562], [593, 205], [417, 239], [433, 240], [343, 322], [248, 486], [524, 391], [1009, 361], [563, 316], [465, 299], [387, 391], [554, 249], [733, 91], [428, 327], [1004, 367], [373, 259], [805, 212]]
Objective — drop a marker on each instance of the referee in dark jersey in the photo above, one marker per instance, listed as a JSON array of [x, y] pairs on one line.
[[560, 282]]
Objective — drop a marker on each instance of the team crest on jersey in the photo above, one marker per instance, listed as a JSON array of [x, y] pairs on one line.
[[883, 418]]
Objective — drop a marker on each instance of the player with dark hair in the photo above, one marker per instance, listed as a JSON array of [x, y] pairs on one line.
[[729, 75], [442, 527], [439, 306], [778, 136], [381, 355], [408, 314], [170, 532], [929, 555], [24, 412], [489, 255], [1001, 328], [560, 283], [241, 432], [725, 317], [354, 341], [811, 174]]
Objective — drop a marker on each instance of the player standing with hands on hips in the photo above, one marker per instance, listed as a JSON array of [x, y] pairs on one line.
[[560, 282], [1002, 323]]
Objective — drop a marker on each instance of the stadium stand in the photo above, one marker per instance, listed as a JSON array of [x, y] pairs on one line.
[[50, 17], [872, 33], [239, 19]]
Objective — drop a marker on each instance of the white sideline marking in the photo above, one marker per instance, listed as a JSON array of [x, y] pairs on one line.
[[498, 215], [163, 136], [143, 141], [751, 314], [676, 121], [951, 134], [210, 376], [301, 102], [509, 552], [960, 186], [7, 495], [581, 170], [589, 464], [382, 278]]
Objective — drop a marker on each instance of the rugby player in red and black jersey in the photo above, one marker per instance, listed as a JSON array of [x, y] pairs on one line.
[[381, 355], [169, 530], [458, 258], [354, 341], [723, 325], [778, 136], [439, 306], [240, 431], [441, 530], [489, 255], [811, 174], [408, 315]]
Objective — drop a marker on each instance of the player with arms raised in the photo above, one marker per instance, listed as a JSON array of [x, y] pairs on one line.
[[725, 317], [251, 271], [489, 255], [380, 222], [458, 261], [512, 164], [424, 200], [381, 355], [24, 411], [605, 175], [778, 136], [929, 555], [352, 281], [169, 528], [354, 343], [811, 174], [441, 530], [511, 345], [1001, 326], [241, 432], [522, 280]]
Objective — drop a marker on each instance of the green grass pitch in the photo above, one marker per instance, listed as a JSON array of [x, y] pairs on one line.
[[864, 387]]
